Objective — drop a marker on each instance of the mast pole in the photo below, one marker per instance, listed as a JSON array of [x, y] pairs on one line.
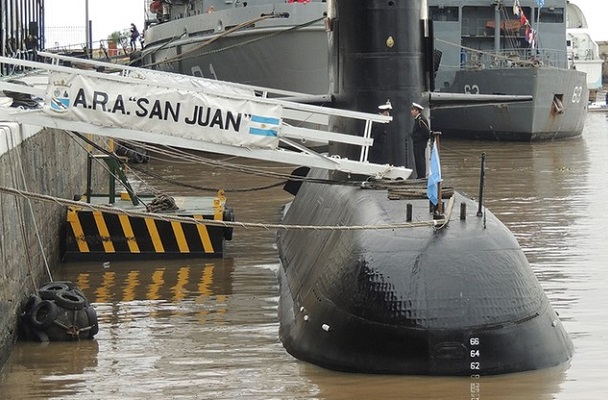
[[497, 27], [87, 29]]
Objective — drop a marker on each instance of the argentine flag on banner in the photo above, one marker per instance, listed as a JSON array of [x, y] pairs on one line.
[[434, 176], [541, 3], [264, 126]]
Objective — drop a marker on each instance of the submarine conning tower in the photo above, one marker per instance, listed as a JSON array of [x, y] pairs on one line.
[[381, 50], [459, 300]]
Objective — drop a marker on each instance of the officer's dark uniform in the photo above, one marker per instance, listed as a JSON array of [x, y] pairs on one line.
[[379, 134], [421, 133]]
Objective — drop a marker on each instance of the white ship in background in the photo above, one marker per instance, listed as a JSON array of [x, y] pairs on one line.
[[583, 52]]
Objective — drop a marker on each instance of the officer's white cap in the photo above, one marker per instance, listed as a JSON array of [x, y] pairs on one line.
[[418, 106], [385, 106]]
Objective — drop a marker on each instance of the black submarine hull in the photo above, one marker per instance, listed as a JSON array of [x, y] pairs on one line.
[[461, 300], [457, 301]]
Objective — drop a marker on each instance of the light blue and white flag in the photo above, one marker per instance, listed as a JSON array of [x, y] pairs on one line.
[[264, 126], [434, 176], [541, 3]]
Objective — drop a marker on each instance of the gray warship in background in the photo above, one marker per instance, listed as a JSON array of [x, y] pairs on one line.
[[484, 49], [487, 49]]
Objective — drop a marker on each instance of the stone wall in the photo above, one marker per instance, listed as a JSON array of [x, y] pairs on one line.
[[48, 162]]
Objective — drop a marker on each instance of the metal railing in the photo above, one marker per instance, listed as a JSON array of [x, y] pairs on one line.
[[512, 58]]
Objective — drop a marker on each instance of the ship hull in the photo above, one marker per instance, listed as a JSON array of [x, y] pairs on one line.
[[557, 111], [458, 301], [281, 53]]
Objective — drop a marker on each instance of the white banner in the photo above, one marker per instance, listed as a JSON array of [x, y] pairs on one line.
[[173, 112], [191, 82]]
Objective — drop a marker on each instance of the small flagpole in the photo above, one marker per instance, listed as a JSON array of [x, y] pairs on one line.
[[436, 136]]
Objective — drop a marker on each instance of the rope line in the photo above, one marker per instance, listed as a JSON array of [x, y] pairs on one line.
[[246, 225], [189, 54]]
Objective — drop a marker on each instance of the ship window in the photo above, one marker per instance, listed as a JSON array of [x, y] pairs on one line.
[[444, 14], [552, 15]]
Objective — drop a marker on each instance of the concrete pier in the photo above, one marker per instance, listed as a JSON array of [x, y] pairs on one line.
[[42, 161]]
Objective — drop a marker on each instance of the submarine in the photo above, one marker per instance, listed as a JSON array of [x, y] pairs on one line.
[[451, 298]]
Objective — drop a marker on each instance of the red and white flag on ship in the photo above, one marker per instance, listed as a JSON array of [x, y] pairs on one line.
[[530, 32]]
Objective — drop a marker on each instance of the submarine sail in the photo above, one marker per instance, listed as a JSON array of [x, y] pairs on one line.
[[456, 299]]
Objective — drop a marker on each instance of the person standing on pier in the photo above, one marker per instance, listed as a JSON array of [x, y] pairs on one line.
[[134, 36]]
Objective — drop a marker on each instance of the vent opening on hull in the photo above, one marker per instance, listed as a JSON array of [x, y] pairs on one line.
[[558, 104]]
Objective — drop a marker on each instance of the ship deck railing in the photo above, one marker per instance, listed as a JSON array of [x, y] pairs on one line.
[[513, 58], [476, 59]]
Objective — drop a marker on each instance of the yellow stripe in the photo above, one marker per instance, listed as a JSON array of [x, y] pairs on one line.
[[180, 237], [157, 283], [74, 221], [204, 235], [83, 281], [158, 244], [204, 286], [108, 246], [180, 289], [131, 283], [103, 293], [129, 235]]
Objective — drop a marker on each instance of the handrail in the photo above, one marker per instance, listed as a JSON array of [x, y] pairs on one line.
[[140, 80]]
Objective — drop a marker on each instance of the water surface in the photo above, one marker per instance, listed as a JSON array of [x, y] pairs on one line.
[[208, 329]]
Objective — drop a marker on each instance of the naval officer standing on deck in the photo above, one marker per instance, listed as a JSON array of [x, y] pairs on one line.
[[379, 133], [421, 133]]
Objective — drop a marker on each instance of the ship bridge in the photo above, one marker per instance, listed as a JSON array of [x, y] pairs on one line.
[[131, 103]]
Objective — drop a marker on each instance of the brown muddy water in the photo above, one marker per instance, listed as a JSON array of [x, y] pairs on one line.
[[208, 329]]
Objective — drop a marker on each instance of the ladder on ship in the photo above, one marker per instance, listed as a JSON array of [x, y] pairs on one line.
[[189, 112]]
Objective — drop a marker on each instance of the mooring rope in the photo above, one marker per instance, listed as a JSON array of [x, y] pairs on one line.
[[190, 220], [193, 53]]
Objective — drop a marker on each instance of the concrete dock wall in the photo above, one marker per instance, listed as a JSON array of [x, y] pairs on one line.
[[44, 161]]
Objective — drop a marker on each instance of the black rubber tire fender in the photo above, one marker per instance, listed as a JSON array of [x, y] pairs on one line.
[[81, 294], [93, 323], [48, 290], [58, 285], [69, 300], [31, 302], [47, 294], [43, 314]]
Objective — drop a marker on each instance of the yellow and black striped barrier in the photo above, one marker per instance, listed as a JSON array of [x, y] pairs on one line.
[[98, 235]]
